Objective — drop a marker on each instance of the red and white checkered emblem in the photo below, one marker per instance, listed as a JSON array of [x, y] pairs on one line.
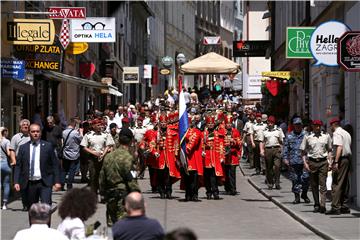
[[65, 33]]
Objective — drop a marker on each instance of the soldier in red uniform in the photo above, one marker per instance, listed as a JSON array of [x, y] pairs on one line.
[[213, 149], [232, 153], [149, 145], [167, 149], [195, 166]]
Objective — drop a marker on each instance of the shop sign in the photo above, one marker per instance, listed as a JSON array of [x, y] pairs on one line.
[[165, 71], [131, 75], [324, 41], [297, 42], [212, 40], [67, 12], [93, 30], [250, 48], [292, 76], [42, 57], [31, 31], [349, 51], [77, 48], [13, 69], [147, 71]]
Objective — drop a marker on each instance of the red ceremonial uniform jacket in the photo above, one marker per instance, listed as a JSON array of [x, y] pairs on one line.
[[194, 150], [232, 158], [149, 141], [168, 149], [213, 145]]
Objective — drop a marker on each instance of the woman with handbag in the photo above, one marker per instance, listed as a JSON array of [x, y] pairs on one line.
[[5, 165]]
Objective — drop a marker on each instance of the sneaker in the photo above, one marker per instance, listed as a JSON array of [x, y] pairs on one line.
[[4, 207]]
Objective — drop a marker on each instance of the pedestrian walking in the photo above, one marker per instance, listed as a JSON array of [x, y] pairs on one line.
[[257, 128], [272, 138], [72, 136], [97, 143], [316, 150], [116, 179], [6, 165], [340, 167], [37, 175], [248, 139], [293, 159], [16, 141]]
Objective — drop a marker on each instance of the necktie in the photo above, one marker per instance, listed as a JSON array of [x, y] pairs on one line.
[[32, 163]]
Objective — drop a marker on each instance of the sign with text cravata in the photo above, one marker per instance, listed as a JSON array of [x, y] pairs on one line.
[[324, 40], [30, 31], [297, 42], [93, 30]]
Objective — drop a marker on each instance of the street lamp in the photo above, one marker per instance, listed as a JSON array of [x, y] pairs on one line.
[[180, 60]]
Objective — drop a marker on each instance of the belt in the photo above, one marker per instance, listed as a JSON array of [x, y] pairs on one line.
[[257, 141], [317, 159], [272, 147], [34, 181]]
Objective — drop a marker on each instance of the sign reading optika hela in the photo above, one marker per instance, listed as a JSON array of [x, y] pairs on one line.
[[31, 31]]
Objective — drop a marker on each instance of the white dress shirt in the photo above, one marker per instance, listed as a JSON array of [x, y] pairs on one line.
[[39, 232], [73, 228], [37, 172]]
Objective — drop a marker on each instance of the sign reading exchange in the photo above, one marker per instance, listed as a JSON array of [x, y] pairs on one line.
[[93, 30], [31, 31]]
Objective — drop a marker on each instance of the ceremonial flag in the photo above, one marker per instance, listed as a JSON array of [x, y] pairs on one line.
[[183, 125]]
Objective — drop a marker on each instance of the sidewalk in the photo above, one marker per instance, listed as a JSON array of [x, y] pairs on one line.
[[344, 226]]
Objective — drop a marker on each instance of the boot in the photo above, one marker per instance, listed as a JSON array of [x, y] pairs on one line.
[[297, 198], [305, 197]]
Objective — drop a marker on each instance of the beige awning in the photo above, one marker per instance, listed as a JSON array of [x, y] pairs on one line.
[[210, 63], [57, 76]]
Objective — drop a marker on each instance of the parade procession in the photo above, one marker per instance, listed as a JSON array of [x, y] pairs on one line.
[[180, 120]]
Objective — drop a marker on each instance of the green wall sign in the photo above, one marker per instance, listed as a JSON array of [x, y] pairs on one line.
[[297, 42]]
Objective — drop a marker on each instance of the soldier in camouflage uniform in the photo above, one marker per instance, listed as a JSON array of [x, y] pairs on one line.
[[116, 179], [293, 159]]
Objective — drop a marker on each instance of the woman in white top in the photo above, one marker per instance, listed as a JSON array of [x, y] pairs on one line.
[[5, 165], [77, 206]]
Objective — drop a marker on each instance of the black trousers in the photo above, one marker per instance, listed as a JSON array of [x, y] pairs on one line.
[[164, 181], [37, 190], [230, 179], [210, 182], [257, 157], [191, 184]]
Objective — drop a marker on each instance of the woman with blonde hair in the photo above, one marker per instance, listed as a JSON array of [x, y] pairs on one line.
[[5, 165]]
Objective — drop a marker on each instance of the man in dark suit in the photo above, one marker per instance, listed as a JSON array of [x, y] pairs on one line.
[[37, 168]]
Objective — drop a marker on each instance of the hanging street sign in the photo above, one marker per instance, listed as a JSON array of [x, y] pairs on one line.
[[167, 61], [297, 42], [165, 71], [31, 31], [250, 48], [77, 48], [67, 12], [212, 40], [94, 29], [131, 75], [11, 68], [349, 51]]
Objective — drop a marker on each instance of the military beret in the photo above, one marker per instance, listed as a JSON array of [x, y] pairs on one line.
[[271, 119], [317, 122], [125, 120], [334, 120]]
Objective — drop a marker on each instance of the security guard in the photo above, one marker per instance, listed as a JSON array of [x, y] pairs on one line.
[[316, 150], [97, 143], [340, 167], [116, 178], [270, 148], [258, 127], [292, 158]]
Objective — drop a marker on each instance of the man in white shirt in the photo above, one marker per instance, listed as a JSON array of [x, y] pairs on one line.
[[111, 120], [340, 167], [39, 215]]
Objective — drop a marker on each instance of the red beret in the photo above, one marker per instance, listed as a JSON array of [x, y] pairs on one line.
[[271, 119], [125, 120], [140, 118], [317, 122], [97, 121], [334, 120], [258, 115]]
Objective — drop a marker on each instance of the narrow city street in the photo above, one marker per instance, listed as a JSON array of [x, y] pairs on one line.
[[249, 215]]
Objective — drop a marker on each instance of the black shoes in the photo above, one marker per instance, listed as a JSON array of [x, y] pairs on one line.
[[305, 197], [344, 210], [322, 210], [333, 211], [278, 187], [216, 197], [297, 199], [25, 209]]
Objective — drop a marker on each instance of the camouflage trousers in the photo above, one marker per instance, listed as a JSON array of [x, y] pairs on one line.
[[115, 210], [299, 178]]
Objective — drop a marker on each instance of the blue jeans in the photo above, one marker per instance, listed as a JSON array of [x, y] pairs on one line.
[[69, 167], [5, 179]]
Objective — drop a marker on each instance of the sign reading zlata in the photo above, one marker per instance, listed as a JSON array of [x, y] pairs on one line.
[[31, 31]]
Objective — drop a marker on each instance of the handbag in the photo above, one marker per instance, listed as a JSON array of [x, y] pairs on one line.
[[61, 153]]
